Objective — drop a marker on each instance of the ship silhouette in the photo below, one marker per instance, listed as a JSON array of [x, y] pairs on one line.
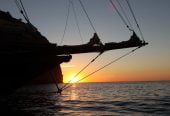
[[27, 56]]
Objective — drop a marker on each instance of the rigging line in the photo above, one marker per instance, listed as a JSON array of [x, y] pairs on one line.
[[58, 89], [122, 18], [87, 16], [24, 10], [18, 6], [20, 9], [133, 14], [82, 69], [124, 13], [117, 59], [53, 79], [76, 19], [65, 28]]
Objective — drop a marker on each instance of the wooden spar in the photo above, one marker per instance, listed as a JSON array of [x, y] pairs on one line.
[[86, 48], [53, 49]]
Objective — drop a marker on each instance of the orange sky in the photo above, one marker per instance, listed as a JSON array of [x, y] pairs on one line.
[[127, 69], [105, 76]]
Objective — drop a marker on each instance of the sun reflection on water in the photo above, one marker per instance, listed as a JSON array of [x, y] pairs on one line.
[[73, 92]]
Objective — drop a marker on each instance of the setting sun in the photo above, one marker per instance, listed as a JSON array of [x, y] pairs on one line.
[[70, 78], [74, 79]]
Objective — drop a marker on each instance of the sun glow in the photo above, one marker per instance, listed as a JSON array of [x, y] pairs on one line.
[[72, 79]]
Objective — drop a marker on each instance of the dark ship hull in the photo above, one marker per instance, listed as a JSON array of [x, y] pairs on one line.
[[26, 55], [21, 69]]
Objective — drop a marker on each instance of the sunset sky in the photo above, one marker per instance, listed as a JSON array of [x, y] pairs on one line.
[[148, 63]]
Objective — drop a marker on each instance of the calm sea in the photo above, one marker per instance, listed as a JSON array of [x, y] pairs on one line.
[[117, 99]]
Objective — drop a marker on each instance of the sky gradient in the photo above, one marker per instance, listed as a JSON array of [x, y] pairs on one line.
[[148, 63]]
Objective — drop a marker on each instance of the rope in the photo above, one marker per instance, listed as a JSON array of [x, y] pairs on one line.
[[117, 59], [22, 10], [81, 37], [133, 14], [124, 21], [87, 16], [76, 19], [53, 79], [124, 13], [65, 28], [82, 69], [18, 5]]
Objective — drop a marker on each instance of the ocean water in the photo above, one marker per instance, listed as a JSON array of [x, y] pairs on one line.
[[86, 99]]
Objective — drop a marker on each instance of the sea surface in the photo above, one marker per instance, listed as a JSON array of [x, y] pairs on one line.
[[86, 99]]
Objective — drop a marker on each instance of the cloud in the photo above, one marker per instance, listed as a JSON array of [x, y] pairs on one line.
[[67, 66]]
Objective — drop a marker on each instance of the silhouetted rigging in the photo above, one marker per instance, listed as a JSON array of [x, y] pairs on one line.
[[120, 15], [22, 10], [77, 22], [93, 41], [124, 13], [134, 38], [133, 14], [32, 53], [65, 28], [104, 66]]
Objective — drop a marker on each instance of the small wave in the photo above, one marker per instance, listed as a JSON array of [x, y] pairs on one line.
[[123, 99]]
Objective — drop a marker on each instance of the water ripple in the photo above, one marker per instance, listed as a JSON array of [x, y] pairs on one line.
[[144, 98]]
